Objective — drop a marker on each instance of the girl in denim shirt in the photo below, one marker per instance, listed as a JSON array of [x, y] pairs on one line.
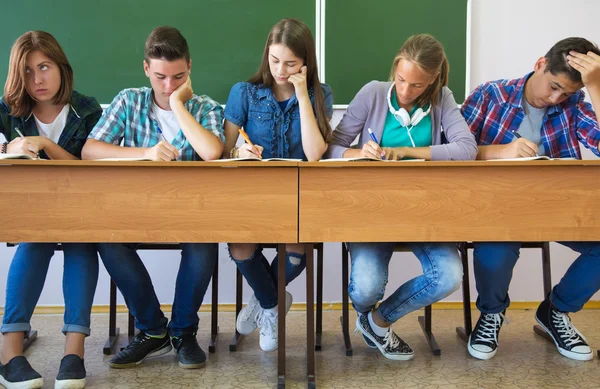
[[285, 111], [40, 113]]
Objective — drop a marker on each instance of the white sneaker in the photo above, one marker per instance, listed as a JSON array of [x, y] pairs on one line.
[[246, 320], [267, 321]]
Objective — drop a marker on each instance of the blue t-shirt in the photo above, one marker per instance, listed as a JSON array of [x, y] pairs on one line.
[[267, 124]]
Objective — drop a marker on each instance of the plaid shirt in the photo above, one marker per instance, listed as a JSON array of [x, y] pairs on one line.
[[83, 116], [129, 118], [495, 109]]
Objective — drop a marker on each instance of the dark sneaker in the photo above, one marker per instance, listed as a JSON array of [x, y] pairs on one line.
[[483, 341], [141, 347], [188, 351], [18, 374], [570, 342], [391, 346], [367, 340], [71, 374]]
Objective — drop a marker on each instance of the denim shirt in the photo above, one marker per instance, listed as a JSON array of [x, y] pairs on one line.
[[255, 108], [83, 115]]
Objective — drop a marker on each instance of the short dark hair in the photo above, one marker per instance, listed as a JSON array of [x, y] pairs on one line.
[[166, 43], [556, 57]]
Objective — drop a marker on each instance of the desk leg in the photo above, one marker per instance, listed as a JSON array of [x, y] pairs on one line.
[[281, 319], [310, 316], [113, 331], [345, 319], [237, 337], [214, 315], [319, 330], [465, 332], [425, 322], [29, 339]]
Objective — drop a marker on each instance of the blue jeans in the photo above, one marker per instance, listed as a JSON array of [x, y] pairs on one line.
[[494, 263], [442, 275], [127, 270], [26, 278], [262, 276]]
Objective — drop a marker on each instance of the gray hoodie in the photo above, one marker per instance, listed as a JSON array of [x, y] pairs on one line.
[[369, 109]]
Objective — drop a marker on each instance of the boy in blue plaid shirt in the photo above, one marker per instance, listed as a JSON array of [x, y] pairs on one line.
[[163, 123], [543, 113]]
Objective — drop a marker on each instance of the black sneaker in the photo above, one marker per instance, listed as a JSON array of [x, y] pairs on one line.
[[18, 374], [391, 346], [141, 347], [367, 340], [570, 342], [71, 374], [483, 341], [188, 351]]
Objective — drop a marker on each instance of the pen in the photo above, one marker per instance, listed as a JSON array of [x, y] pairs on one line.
[[518, 136], [243, 133], [19, 132], [374, 139]]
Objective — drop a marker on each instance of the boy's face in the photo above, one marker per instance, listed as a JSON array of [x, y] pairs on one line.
[[549, 89], [166, 76]]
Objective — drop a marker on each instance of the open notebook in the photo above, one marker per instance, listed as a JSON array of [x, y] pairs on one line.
[[367, 159], [536, 158], [257, 159], [16, 156]]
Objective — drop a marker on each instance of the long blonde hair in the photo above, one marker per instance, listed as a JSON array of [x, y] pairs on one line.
[[428, 54], [296, 36]]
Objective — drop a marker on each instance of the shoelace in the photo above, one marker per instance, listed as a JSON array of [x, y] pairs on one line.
[[266, 322], [391, 340], [490, 325], [248, 312], [565, 328]]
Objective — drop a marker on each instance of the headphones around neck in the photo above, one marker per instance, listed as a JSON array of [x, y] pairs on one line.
[[402, 114]]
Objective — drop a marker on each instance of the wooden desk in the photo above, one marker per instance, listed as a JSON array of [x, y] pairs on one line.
[[449, 201], [94, 201]]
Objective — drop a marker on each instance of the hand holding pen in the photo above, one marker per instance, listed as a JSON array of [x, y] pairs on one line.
[[249, 149], [520, 147], [23, 145], [371, 149]]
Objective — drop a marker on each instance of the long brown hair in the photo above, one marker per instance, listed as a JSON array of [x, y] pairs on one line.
[[15, 92], [428, 54], [296, 36]]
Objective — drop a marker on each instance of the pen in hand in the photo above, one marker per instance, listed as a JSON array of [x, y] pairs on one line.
[[23, 136], [374, 139], [518, 136], [247, 139]]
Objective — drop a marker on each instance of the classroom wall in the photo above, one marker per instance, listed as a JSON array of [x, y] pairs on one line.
[[499, 48]]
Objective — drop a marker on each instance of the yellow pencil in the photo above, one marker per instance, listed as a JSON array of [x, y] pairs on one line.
[[243, 133]]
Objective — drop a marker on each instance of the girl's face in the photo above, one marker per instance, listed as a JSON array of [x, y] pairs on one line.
[[42, 77], [410, 82], [283, 63]]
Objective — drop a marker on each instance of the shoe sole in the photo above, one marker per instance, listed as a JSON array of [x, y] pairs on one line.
[[241, 329], [480, 354], [35, 383], [70, 384], [566, 353], [402, 357], [155, 353], [192, 365]]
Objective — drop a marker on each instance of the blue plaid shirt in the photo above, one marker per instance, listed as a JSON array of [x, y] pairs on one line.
[[129, 118], [495, 109]]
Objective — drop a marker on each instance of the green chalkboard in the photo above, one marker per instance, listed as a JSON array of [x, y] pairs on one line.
[[362, 38], [104, 40]]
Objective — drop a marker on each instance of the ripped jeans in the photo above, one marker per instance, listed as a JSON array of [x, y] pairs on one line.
[[262, 275]]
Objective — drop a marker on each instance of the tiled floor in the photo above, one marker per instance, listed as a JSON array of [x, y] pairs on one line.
[[524, 360]]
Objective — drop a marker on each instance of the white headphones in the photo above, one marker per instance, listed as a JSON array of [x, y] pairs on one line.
[[403, 116]]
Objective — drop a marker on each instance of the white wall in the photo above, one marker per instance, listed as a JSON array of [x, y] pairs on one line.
[[507, 37]]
